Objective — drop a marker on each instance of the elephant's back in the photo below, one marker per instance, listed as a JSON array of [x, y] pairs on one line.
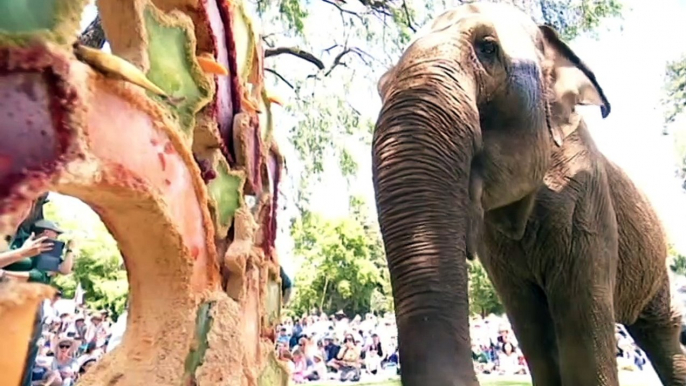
[[642, 266]]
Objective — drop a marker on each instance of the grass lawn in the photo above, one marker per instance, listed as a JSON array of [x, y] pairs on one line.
[[626, 380], [484, 382]]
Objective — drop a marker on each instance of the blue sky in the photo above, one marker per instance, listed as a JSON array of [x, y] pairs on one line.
[[629, 63]]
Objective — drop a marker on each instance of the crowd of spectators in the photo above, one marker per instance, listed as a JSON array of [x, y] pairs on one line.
[[319, 347], [495, 349], [69, 344], [64, 345]]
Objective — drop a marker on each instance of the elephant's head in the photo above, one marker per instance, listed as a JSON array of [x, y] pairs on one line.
[[471, 115]]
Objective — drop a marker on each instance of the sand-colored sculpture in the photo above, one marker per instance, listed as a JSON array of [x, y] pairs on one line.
[[164, 139]]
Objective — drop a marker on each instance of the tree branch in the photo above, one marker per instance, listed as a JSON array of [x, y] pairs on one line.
[[343, 10], [297, 52], [408, 17], [379, 6], [311, 58], [289, 84], [337, 61]]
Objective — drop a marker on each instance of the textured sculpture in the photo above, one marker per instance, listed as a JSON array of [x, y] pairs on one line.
[[165, 139]]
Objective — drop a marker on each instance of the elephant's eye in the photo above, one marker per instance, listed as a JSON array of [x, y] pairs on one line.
[[487, 47]]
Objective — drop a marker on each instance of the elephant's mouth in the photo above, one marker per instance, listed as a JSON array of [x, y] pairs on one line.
[[428, 201]]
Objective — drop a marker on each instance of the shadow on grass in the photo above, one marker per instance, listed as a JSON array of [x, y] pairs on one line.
[[396, 382], [485, 381]]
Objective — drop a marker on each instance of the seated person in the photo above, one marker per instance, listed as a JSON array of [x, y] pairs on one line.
[[91, 353], [64, 367], [372, 361], [43, 360], [97, 331], [300, 367], [394, 358], [508, 360], [331, 348], [283, 336], [482, 361], [347, 361], [86, 365], [318, 369]]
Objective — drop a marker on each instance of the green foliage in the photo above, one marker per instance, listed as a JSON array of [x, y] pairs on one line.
[[678, 264], [675, 89], [98, 265], [294, 14], [675, 106], [677, 261], [483, 299], [343, 267], [573, 18]]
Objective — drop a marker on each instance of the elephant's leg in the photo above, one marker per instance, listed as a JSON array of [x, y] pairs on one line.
[[584, 324], [657, 332], [527, 309]]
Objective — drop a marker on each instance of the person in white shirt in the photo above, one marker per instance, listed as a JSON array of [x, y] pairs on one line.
[[118, 330]]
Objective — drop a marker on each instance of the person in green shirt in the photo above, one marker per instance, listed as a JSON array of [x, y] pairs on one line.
[[24, 265], [19, 263], [31, 246]]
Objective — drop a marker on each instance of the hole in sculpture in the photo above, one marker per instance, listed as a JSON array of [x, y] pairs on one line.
[[80, 258]]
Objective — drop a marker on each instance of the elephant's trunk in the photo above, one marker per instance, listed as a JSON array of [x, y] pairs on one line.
[[425, 140]]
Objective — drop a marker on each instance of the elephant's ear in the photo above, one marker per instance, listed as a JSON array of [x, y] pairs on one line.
[[571, 83], [384, 83]]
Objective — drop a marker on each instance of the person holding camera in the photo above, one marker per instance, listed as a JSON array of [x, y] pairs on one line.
[[32, 246], [42, 245], [36, 256]]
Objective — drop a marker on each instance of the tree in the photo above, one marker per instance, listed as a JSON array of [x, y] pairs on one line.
[[483, 299], [98, 266], [675, 89], [675, 106], [343, 268], [677, 261]]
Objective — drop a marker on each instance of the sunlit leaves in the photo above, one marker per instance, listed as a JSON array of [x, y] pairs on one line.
[[675, 89], [675, 107], [326, 126], [98, 265], [483, 299], [294, 13], [572, 17], [677, 261], [343, 266]]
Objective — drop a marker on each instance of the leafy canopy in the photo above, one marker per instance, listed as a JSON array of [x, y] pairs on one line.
[[343, 266], [98, 265], [675, 106]]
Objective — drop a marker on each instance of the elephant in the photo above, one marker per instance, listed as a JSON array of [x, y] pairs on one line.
[[479, 151]]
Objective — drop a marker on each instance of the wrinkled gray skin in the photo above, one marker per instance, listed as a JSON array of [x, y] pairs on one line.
[[478, 149]]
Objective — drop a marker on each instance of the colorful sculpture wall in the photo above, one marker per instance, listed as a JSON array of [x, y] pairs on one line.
[[165, 139]]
